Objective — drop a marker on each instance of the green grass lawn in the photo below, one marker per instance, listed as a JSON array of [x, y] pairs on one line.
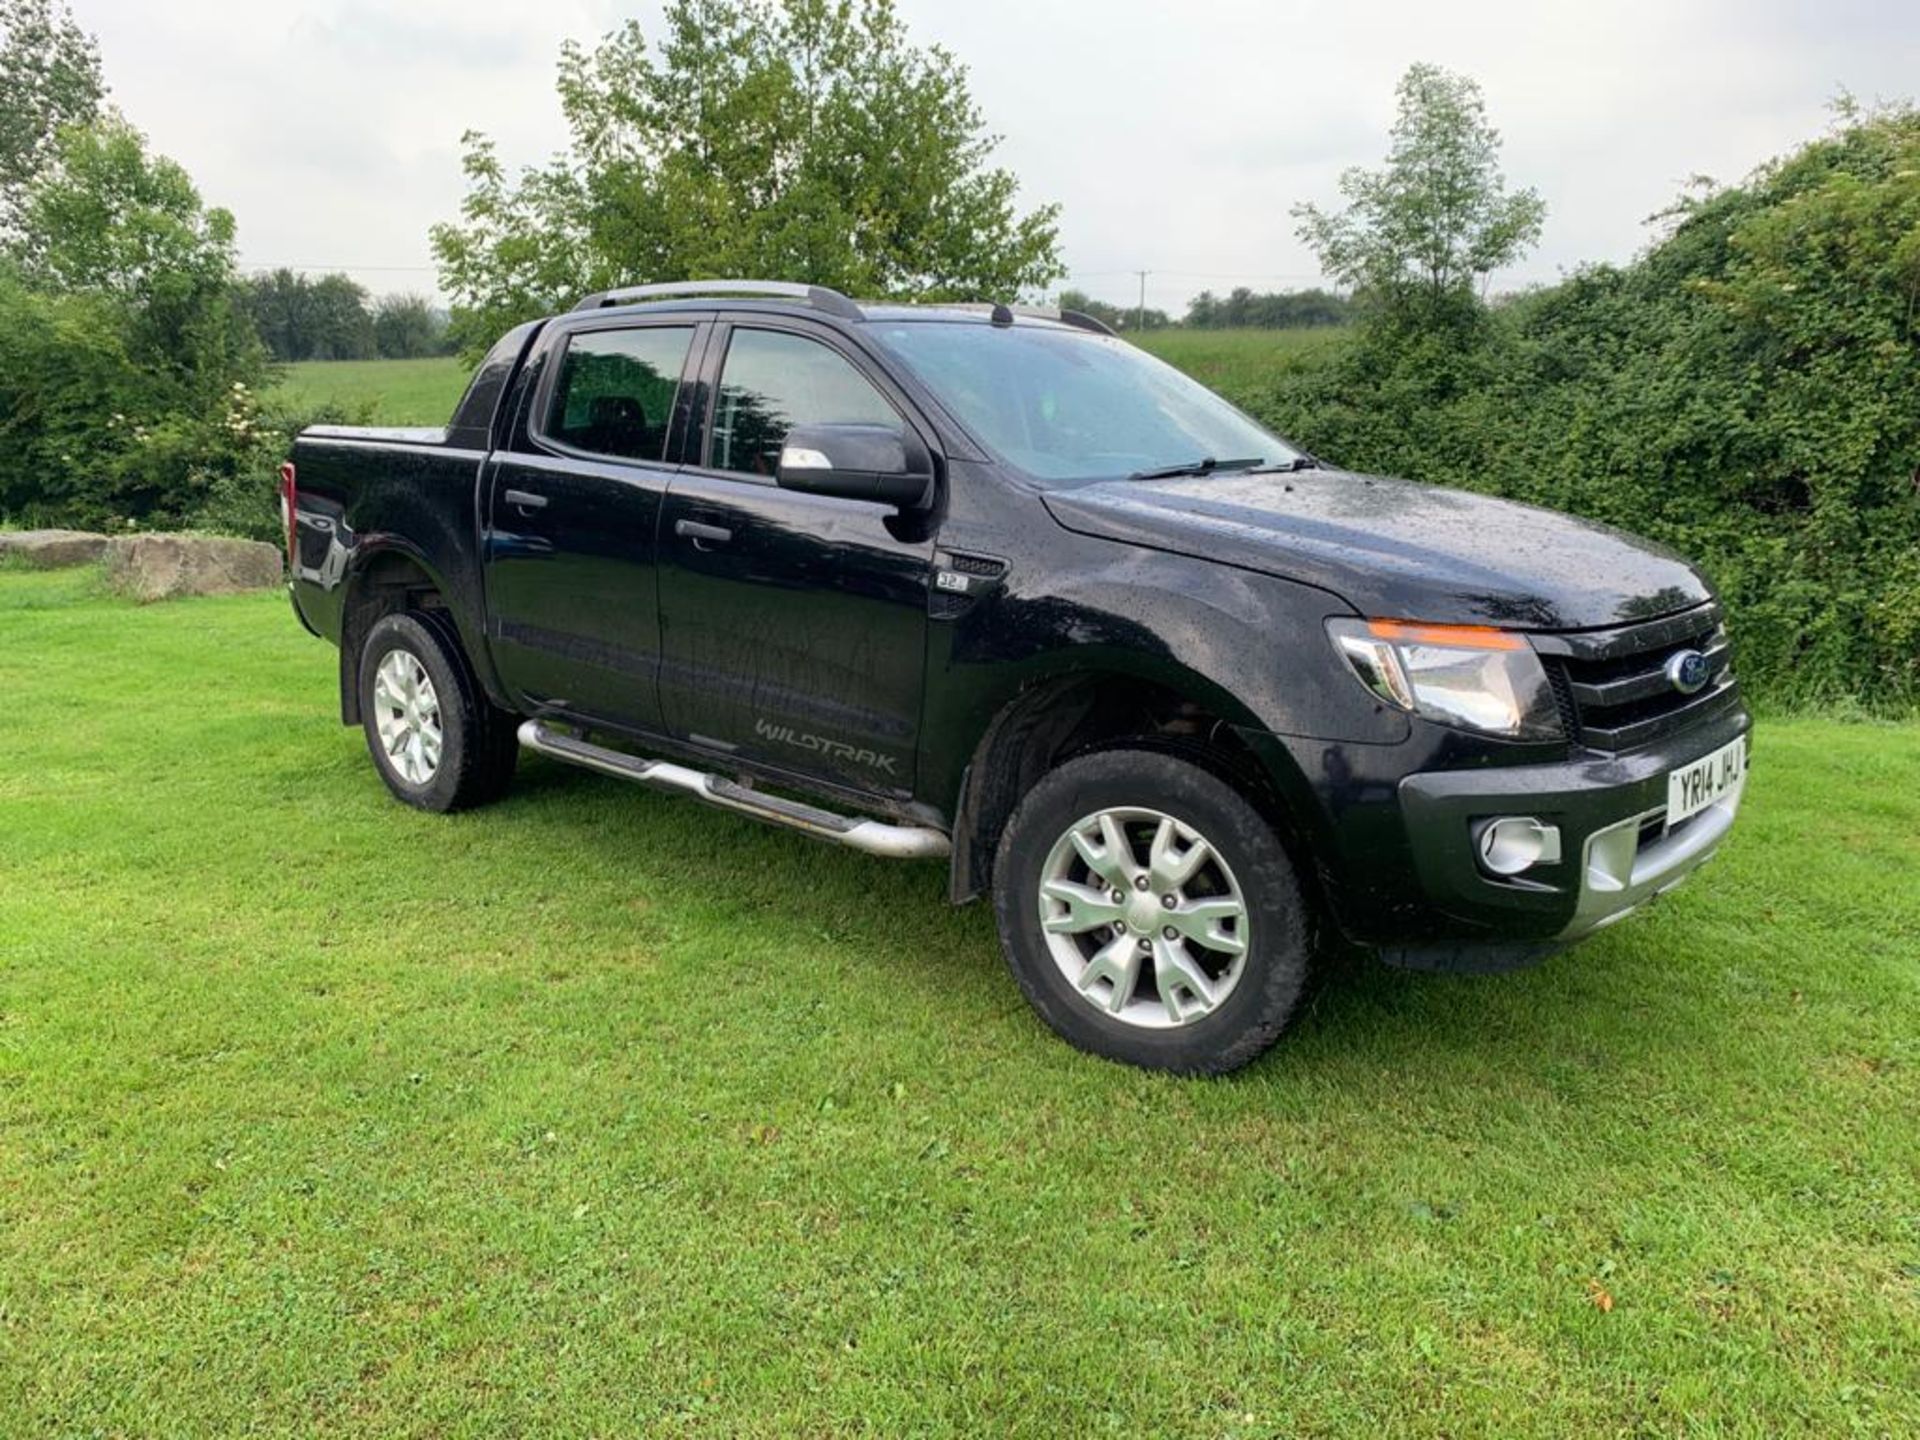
[[600, 1113], [424, 392]]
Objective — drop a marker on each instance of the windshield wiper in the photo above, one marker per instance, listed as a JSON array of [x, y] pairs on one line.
[[1206, 465]]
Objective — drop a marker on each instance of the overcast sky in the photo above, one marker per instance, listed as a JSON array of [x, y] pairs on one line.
[[1175, 137]]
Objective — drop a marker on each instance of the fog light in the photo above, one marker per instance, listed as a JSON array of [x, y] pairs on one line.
[[1517, 842]]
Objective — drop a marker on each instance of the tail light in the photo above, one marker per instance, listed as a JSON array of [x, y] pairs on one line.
[[289, 502]]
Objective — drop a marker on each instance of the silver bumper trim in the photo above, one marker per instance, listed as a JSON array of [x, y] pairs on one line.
[[1618, 874]]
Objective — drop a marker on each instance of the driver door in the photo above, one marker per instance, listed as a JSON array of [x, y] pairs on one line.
[[793, 626]]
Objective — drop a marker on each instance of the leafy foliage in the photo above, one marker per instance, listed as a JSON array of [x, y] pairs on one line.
[[807, 140], [127, 370], [49, 79], [301, 317], [1748, 392], [406, 327], [1417, 233]]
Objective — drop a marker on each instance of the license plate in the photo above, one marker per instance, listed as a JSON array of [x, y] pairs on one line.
[[1692, 788]]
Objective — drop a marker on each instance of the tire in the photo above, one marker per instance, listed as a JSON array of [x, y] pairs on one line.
[[1225, 1007], [455, 750]]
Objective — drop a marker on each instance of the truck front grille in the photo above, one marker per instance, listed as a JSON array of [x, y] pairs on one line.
[[1612, 686]]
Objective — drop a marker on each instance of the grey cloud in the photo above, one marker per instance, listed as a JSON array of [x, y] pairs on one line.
[[1175, 139]]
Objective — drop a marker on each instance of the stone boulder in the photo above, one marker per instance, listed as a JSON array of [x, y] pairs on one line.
[[52, 549], [165, 567]]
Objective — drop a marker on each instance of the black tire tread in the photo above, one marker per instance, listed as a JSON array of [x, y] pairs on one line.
[[482, 748], [1285, 939]]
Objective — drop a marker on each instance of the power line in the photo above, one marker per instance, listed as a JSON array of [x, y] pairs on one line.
[[289, 265], [1205, 274], [1076, 274]]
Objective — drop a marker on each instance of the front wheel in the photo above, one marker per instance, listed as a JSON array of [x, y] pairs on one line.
[[435, 738], [1150, 914]]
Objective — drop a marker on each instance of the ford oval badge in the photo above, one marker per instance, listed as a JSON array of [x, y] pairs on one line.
[[1687, 671]]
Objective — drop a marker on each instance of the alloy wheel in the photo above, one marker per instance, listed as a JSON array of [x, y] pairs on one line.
[[407, 716], [1144, 917]]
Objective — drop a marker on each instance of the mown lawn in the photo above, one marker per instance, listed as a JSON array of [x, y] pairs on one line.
[[598, 1113], [424, 392]]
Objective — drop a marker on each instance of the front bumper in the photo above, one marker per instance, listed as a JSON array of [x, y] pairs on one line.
[[1617, 852]]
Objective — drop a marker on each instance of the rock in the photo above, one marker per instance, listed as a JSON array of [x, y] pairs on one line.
[[52, 549], [164, 567]]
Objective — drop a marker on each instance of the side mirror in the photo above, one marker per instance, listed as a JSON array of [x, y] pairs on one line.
[[858, 462]]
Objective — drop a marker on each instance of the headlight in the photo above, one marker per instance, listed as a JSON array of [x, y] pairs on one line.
[[1472, 676]]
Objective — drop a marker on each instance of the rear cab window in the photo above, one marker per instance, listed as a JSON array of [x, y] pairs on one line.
[[614, 393]]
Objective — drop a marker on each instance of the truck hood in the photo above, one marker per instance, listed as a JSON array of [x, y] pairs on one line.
[[1394, 549]]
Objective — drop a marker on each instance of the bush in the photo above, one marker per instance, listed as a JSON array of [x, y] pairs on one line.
[[128, 373], [91, 438], [1748, 392]]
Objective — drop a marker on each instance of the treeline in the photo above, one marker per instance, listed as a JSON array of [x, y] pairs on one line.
[[1242, 309], [1239, 309], [332, 317], [1114, 317]]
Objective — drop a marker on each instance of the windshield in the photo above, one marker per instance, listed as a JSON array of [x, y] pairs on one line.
[[1070, 405]]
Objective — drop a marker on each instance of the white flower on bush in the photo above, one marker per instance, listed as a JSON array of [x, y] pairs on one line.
[[242, 411]]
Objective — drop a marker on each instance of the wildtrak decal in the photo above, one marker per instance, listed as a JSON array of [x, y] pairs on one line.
[[821, 745]]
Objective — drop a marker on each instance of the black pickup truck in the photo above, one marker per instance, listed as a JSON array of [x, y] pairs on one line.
[[994, 585]]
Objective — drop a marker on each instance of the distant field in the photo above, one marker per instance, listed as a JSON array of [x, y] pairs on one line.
[[379, 392], [424, 392], [1235, 362]]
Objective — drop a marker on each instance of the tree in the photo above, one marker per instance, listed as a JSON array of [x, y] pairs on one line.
[[406, 327], [341, 321], [1418, 233], [127, 373], [1747, 391], [49, 78], [107, 219], [277, 303], [301, 317], [807, 140]]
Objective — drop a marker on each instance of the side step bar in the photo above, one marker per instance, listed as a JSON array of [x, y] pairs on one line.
[[875, 837]]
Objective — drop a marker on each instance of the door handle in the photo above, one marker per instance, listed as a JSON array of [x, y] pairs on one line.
[[525, 500], [701, 533]]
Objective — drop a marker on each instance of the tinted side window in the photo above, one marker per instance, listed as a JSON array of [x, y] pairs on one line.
[[774, 381], [614, 393]]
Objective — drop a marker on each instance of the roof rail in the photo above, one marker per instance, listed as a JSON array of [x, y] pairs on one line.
[[1001, 314], [818, 296]]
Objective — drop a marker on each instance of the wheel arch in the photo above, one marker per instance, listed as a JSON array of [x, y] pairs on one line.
[[1056, 717], [391, 576]]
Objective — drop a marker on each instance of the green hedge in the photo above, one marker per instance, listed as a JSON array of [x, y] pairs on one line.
[[1748, 392]]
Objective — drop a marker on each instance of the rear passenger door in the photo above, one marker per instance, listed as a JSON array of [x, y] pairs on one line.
[[793, 625], [572, 518]]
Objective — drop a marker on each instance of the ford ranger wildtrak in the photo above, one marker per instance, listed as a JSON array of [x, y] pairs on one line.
[[993, 585]]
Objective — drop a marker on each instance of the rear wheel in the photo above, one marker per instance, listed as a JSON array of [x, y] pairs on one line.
[[435, 738], [1150, 913]]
